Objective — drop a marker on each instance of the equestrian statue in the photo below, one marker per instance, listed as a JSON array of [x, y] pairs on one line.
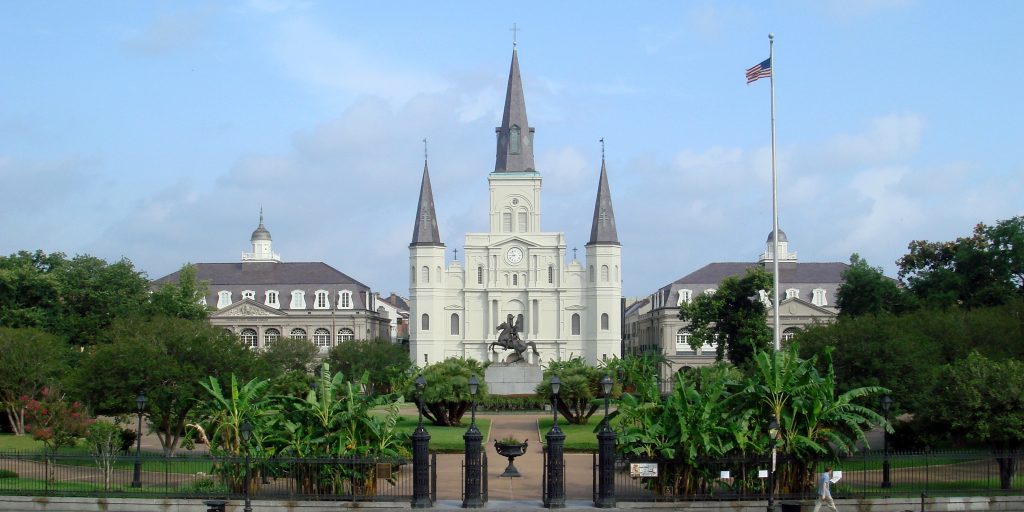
[[509, 339]]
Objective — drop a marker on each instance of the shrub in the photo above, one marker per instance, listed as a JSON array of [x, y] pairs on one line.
[[6, 473]]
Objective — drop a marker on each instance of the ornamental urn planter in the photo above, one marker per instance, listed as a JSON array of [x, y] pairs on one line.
[[511, 450]]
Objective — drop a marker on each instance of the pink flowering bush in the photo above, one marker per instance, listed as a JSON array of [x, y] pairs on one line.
[[54, 421]]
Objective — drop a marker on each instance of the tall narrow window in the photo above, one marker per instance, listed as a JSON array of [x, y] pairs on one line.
[[455, 324], [520, 322], [322, 338], [685, 296], [272, 299], [682, 341], [321, 301], [425, 322], [604, 321], [575, 324], [524, 222], [604, 273], [425, 275], [513, 140], [223, 299], [551, 274], [298, 299], [591, 273], [515, 279], [506, 222], [480, 274], [344, 299]]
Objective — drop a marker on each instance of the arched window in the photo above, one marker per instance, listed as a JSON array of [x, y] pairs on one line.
[[604, 273], [223, 299], [575, 324], [520, 321], [513, 140], [297, 333], [604, 321], [425, 275], [524, 222], [551, 274], [270, 336], [322, 338], [789, 334], [248, 337], [248, 294], [298, 300], [425, 322], [345, 334], [321, 302], [344, 299], [480, 274], [515, 279], [272, 299], [455, 324]]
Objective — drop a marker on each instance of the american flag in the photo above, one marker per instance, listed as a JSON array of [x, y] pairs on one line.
[[762, 70]]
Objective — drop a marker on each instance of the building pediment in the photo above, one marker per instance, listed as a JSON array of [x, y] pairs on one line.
[[247, 308], [514, 240], [800, 307]]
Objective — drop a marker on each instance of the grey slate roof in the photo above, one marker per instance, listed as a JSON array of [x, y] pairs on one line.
[[425, 230], [602, 230], [514, 115], [283, 277]]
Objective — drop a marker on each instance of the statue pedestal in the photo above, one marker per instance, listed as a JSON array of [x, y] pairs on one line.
[[513, 379]]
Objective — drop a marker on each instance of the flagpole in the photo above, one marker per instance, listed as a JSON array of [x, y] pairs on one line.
[[775, 207]]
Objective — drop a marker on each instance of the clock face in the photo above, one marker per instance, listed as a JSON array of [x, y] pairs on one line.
[[514, 255]]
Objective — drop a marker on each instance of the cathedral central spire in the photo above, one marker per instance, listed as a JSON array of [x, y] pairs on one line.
[[515, 136]]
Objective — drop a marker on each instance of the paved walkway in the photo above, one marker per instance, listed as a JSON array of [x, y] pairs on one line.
[[578, 466]]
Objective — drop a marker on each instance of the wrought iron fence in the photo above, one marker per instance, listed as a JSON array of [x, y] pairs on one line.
[[935, 473], [77, 474]]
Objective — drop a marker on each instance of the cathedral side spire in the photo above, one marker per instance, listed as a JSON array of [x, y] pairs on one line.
[[603, 230], [425, 231], [515, 136]]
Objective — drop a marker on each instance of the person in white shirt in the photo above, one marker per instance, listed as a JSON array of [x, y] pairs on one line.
[[824, 495]]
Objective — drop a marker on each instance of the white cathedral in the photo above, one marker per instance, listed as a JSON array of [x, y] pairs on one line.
[[515, 268]]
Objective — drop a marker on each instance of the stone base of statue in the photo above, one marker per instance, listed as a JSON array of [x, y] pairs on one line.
[[519, 378]]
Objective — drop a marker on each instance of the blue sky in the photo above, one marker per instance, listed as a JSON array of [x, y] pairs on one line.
[[157, 130]]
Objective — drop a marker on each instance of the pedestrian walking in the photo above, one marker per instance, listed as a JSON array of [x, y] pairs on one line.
[[824, 494]]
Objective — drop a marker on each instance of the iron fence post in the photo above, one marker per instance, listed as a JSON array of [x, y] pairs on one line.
[[472, 439], [420, 468], [556, 467], [606, 467]]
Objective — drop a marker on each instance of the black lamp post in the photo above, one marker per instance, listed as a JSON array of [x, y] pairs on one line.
[[606, 453], [420, 453], [773, 433], [246, 431], [886, 403], [556, 453], [140, 405], [472, 439]]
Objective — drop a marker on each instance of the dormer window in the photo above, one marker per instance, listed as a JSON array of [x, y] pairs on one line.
[[202, 300], [710, 291], [685, 296], [248, 294], [273, 299], [298, 300], [818, 297], [321, 302], [223, 299], [514, 140], [344, 299], [792, 293]]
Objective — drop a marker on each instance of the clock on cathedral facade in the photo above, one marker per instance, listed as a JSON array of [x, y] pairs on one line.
[[567, 308]]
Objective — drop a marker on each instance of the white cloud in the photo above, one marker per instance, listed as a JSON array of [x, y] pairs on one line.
[[170, 32], [893, 137]]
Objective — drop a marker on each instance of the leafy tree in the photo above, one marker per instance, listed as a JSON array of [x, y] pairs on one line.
[[29, 289], [579, 391], [181, 299], [104, 439], [982, 400], [387, 363], [166, 358], [30, 360], [290, 355], [732, 318], [638, 374], [984, 269], [446, 397], [54, 421], [865, 290]]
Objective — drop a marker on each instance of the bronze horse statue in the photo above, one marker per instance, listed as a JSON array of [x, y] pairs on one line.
[[509, 339]]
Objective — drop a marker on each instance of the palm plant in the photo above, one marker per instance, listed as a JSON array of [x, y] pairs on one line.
[[224, 414]]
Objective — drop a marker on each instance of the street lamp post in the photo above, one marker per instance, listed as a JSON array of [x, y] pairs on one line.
[[420, 453], [606, 453], [556, 453], [246, 431], [140, 405], [886, 403], [472, 439], [773, 433]]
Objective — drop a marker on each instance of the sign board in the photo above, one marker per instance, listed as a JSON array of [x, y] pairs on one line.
[[643, 469]]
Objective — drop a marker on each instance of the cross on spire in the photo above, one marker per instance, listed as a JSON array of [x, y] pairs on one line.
[[574, 254], [424, 149], [514, 30], [602, 148], [456, 251]]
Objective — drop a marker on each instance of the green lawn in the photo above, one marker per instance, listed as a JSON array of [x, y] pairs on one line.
[[578, 438], [13, 442], [446, 439]]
